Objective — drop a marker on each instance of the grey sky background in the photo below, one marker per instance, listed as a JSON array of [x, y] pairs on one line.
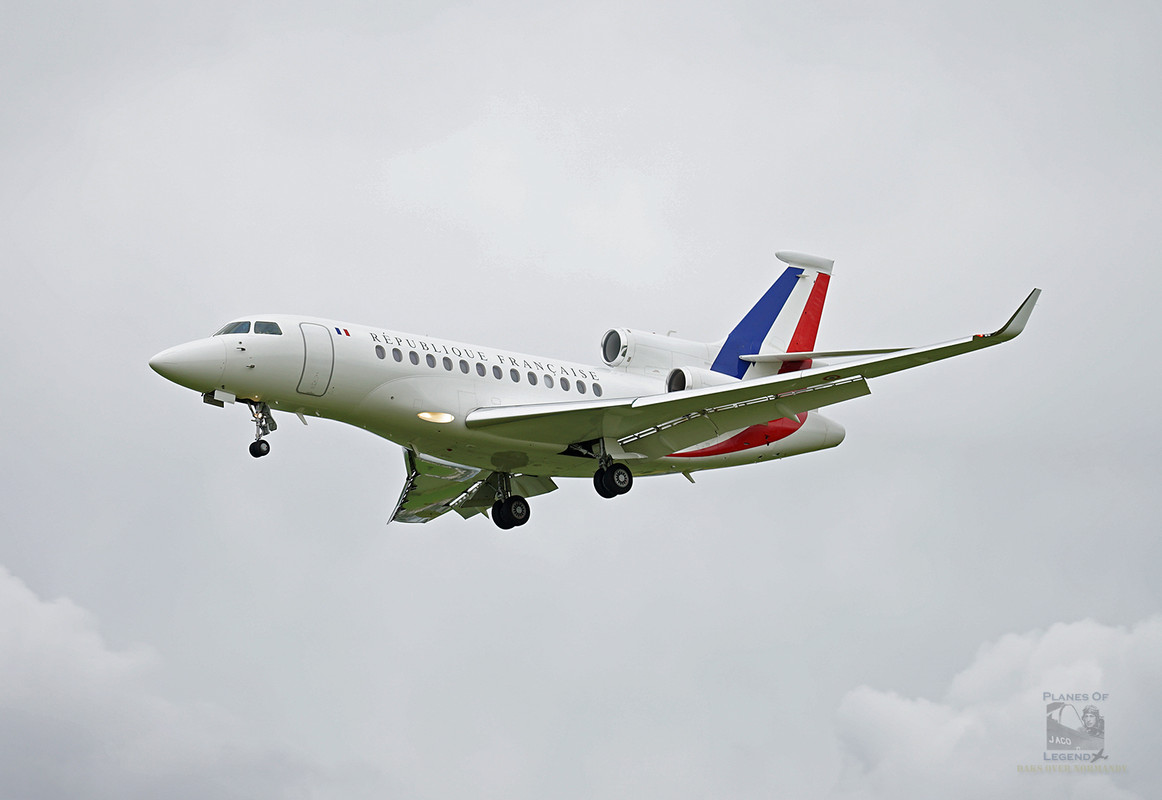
[[880, 620]]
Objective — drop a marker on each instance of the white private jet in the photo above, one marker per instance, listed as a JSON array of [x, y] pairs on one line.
[[483, 429]]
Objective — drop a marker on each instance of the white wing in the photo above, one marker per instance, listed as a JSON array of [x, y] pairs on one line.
[[657, 425]]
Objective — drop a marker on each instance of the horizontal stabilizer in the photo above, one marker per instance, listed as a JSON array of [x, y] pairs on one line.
[[806, 261]]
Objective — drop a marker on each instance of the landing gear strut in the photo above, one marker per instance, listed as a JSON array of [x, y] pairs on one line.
[[612, 477], [263, 423], [510, 510]]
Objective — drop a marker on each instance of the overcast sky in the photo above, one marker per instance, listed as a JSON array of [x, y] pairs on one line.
[[179, 620]]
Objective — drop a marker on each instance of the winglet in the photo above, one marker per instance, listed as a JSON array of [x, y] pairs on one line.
[[1017, 322]]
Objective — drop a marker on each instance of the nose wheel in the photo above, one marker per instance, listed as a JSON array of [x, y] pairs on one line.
[[263, 424]]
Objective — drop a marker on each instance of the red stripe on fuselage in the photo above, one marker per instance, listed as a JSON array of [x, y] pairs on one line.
[[803, 340], [754, 436]]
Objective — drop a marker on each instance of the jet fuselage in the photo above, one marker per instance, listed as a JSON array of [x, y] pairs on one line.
[[418, 390]]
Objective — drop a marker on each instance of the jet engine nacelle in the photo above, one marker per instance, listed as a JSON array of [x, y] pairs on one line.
[[650, 352], [693, 378]]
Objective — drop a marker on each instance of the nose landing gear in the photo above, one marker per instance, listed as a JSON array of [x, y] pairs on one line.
[[263, 423]]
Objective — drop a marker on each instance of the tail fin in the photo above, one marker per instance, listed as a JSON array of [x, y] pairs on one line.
[[784, 320]]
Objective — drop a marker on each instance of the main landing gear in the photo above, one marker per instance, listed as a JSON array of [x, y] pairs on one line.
[[612, 480], [510, 510], [264, 423]]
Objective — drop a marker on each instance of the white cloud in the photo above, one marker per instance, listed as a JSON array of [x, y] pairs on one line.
[[79, 719], [970, 742]]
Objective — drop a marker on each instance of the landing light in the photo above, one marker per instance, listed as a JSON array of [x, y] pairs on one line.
[[441, 417]]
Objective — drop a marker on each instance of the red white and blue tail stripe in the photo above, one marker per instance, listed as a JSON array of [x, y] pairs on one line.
[[784, 320]]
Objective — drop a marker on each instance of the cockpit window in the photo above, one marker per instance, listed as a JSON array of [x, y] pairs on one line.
[[234, 327], [267, 327]]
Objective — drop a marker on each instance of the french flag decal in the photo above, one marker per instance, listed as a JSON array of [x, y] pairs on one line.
[[342, 332]]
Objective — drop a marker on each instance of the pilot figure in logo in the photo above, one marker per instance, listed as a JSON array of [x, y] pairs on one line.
[[1093, 722]]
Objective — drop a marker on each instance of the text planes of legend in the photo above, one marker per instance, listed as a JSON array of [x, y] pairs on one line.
[[483, 429]]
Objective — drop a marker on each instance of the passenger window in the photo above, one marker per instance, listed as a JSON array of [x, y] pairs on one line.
[[380, 352], [431, 359], [549, 381], [597, 389], [532, 379], [497, 372], [396, 354], [447, 363], [480, 370], [514, 375], [565, 384], [464, 366], [268, 327], [581, 387], [235, 327], [414, 357]]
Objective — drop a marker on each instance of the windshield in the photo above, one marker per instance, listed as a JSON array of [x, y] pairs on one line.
[[235, 327]]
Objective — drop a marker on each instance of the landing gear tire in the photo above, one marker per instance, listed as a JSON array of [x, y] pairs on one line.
[[517, 509], [599, 484], [616, 480], [259, 448], [510, 513], [500, 516]]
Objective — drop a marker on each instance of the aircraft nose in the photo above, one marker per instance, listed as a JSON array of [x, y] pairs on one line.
[[195, 365]]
